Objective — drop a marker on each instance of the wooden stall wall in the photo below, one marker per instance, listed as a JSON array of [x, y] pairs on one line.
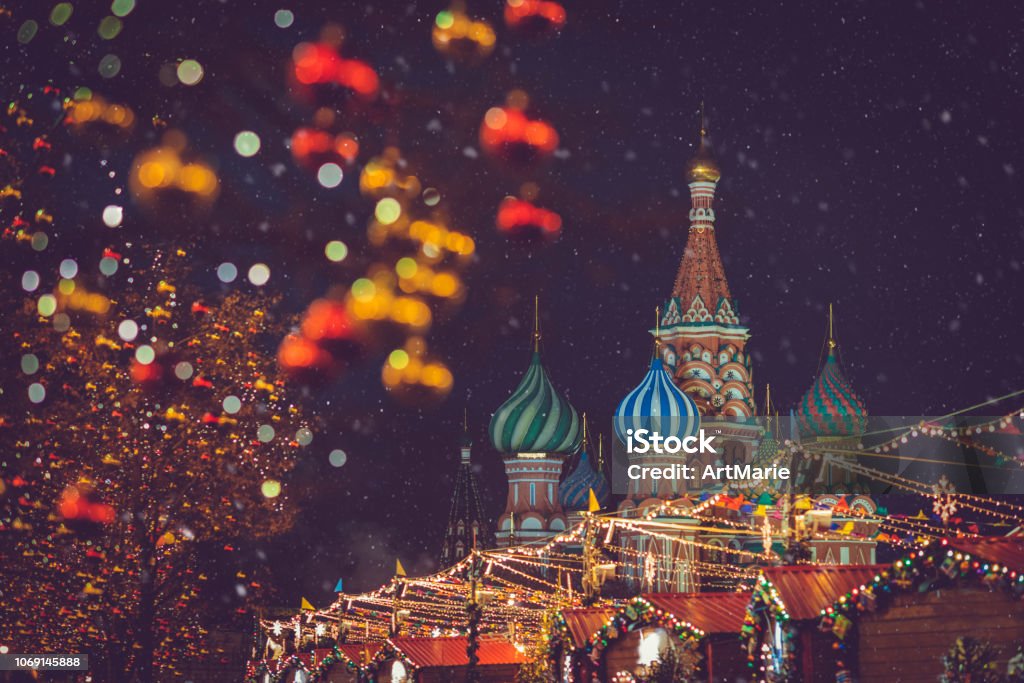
[[905, 642]]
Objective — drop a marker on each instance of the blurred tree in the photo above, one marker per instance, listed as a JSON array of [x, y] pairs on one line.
[[149, 436]]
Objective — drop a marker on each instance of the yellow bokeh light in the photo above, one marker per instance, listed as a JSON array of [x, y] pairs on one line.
[[363, 289], [399, 359], [152, 174], [445, 285], [406, 267], [495, 118], [271, 488]]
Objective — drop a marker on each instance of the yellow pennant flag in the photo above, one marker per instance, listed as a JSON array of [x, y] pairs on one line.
[[399, 569], [306, 605], [594, 506]]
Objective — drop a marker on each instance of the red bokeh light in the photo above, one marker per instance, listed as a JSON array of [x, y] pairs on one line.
[[537, 14], [76, 504], [521, 218], [297, 354], [312, 147], [508, 133], [327, 320], [318, 63]]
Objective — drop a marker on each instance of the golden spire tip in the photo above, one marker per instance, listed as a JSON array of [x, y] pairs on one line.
[[831, 336]]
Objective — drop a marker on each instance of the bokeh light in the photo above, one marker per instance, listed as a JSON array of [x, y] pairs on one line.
[[231, 405], [336, 251], [110, 66], [183, 370], [227, 272], [30, 281], [30, 363], [265, 433], [190, 72], [108, 265], [36, 392], [68, 268], [271, 488], [128, 330], [388, 210], [27, 31], [113, 215], [337, 458], [47, 305], [145, 354], [60, 13], [284, 18], [399, 359], [247, 143], [329, 175], [259, 274], [109, 28], [122, 8]]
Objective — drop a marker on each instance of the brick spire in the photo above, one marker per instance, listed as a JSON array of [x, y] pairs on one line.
[[704, 342], [701, 273]]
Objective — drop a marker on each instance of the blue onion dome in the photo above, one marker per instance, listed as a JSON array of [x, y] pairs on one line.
[[658, 405], [536, 418], [573, 493]]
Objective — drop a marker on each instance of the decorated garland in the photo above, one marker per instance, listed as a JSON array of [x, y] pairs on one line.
[[386, 652], [330, 660], [937, 565], [638, 613], [766, 605], [335, 656], [255, 672]]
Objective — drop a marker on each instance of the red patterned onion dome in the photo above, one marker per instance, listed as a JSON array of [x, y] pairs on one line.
[[831, 407]]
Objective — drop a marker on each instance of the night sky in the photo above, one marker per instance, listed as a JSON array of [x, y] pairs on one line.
[[870, 155]]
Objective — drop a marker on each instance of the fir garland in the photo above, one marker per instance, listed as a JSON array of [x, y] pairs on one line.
[[766, 604], [639, 613]]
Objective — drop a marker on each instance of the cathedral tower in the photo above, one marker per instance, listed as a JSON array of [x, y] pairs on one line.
[[703, 342], [534, 430], [467, 524]]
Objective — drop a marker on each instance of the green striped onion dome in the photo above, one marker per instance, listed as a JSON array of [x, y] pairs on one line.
[[536, 418]]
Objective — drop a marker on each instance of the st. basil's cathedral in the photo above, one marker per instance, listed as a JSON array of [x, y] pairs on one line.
[[700, 374]]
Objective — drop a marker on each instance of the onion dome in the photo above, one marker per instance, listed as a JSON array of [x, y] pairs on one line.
[[574, 492], [830, 407], [536, 418], [658, 405], [702, 166], [768, 448]]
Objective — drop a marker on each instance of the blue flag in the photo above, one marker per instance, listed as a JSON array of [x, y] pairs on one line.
[[338, 588]]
